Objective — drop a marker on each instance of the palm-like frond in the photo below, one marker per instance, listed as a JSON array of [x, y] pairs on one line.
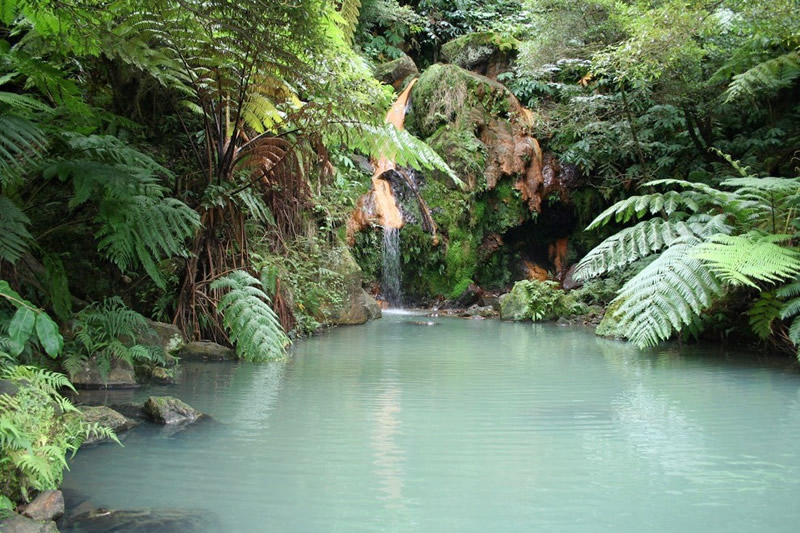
[[644, 239], [14, 229], [254, 327], [21, 141], [766, 78], [749, 258], [667, 295]]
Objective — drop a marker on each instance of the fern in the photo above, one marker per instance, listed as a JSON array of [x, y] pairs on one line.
[[666, 295], [750, 258], [349, 12], [253, 326], [14, 228], [766, 78], [21, 141], [109, 330], [763, 313]]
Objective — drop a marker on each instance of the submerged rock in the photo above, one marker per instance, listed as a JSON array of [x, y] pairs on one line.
[[105, 416], [486, 311], [15, 523], [142, 521], [170, 410], [206, 351], [120, 376], [48, 505], [161, 376]]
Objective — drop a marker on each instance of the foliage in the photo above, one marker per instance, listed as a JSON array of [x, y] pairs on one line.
[[536, 300], [38, 427], [253, 326], [26, 320], [697, 252], [107, 331]]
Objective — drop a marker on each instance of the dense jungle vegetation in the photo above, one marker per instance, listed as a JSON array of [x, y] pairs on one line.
[[197, 162]]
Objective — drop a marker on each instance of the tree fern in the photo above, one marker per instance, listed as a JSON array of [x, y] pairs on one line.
[[666, 295], [749, 258], [349, 12], [763, 313], [766, 78], [253, 326], [14, 228]]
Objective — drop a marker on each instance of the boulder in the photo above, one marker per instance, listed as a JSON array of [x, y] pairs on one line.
[[397, 73], [170, 410], [488, 53], [120, 376], [105, 416], [514, 306], [165, 336], [358, 307], [15, 523], [48, 505], [206, 351], [481, 311], [569, 282], [161, 376], [609, 325], [8, 387]]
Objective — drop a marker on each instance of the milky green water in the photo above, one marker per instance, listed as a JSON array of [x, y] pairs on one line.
[[470, 426]]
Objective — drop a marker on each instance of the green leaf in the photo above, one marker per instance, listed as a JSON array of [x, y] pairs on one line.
[[21, 327], [49, 337]]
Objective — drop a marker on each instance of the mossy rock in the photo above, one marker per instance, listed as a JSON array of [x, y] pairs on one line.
[[397, 72], [169, 410], [105, 416], [488, 53], [514, 306], [463, 151], [609, 326], [450, 94]]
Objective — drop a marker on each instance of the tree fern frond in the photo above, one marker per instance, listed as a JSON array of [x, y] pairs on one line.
[[253, 326], [668, 294], [16, 238], [349, 12], [766, 78], [790, 290], [750, 258], [21, 141], [763, 312], [639, 206], [643, 239]]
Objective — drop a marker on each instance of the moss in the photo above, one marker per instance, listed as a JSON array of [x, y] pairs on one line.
[[473, 49], [462, 150], [460, 287]]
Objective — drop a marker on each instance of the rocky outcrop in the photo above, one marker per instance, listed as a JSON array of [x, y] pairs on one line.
[[397, 72], [120, 376], [206, 351], [488, 53], [105, 416], [358, 307], [169, 410], [15, 523], [47, 506], [165, 336]]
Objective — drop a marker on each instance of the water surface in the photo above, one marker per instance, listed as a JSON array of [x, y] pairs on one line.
[[470, 426]]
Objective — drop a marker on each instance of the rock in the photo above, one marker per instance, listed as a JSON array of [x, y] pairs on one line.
[[48, 505], [609, 325], [121, 376], [569, 282], [468, 296], [105, 416], [162, 376], [358, 306], [131, 411], [481, 311], [514, 306], [206, 351], [397, 73], [8, 387], [170, 410], [165, 336], [486, 53], [562, 321], [15, 523], [143, 520]]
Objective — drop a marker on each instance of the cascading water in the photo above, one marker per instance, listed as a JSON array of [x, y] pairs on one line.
[[390, 281]]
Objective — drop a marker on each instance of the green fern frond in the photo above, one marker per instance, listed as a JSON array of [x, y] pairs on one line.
[[644, 239], [349, 12], [667, 295], [253, 326], [16, 238], [766, 78], [763, 313], [639, 206], [750, 258], [21, 141], [790, 290]]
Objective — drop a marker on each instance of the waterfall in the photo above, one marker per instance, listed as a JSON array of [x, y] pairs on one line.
[[391, 267]]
